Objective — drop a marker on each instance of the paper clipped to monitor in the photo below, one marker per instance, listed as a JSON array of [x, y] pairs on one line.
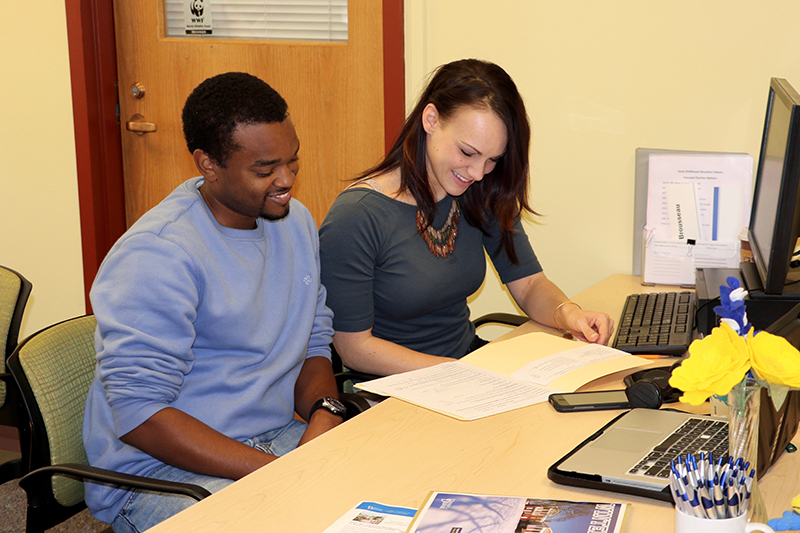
[[697, 205]]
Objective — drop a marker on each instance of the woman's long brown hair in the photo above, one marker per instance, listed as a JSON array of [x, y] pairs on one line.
[[502, 195]]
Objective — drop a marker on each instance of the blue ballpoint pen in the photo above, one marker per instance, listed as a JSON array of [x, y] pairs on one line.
[[677, 495], [684, 498], [723, 487], [708, 505], [685, 468], [733, 504], [719, 500], [734, 475], [717, 469], [702, 488], [745, 487], [710, 469], [704, 467], [748, 483], [678, 466], [692, 469], [697, 509]]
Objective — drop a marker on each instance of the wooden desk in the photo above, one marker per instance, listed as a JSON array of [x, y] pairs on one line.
[[396, 453]]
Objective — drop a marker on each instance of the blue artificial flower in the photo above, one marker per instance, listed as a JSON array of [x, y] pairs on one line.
[[733, 310], [790, 521]]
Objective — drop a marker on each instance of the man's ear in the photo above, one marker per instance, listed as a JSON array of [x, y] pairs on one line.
[[430, 118], [205, 164]]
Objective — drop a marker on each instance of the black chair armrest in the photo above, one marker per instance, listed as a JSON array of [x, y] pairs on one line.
[[501, 318], [100, 475], [354, 403], [341, 377]]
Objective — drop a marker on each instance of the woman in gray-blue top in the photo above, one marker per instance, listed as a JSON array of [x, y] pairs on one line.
[[403, 247]]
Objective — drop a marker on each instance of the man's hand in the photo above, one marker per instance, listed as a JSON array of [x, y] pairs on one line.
[[314, 382], [321, 421], [180, 440]]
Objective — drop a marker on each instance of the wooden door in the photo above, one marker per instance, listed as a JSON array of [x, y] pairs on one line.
[[334, 90]]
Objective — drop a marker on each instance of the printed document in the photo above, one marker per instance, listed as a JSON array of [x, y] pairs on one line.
[[459, 390], [527, 369]]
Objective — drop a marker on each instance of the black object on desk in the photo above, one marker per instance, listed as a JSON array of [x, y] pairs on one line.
[[657, 323], [762, 309]]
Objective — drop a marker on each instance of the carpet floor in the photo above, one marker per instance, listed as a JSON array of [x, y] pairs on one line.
[[12, 514]]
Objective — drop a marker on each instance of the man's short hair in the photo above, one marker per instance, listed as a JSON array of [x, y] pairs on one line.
[[219, 104]]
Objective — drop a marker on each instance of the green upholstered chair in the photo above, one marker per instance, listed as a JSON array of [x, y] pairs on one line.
[[14, 292], [54, 369]]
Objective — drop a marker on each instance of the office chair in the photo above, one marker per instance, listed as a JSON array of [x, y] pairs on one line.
[[14, 292], [346, 377], [53, 369]]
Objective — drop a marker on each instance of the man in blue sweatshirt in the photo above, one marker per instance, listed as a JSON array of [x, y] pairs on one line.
[[212, 329]]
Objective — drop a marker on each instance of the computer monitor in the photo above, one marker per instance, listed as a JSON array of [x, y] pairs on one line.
[[775, 216]]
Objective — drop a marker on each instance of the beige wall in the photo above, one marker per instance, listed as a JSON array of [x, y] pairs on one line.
[[601, 79], [40, 235]]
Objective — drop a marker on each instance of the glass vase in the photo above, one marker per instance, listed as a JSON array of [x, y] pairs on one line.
[[744, 406]]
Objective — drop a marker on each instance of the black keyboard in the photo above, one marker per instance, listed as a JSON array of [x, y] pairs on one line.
[[658, 323], [695, 436]]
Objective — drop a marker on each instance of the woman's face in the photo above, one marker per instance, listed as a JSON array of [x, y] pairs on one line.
[[462, 149]]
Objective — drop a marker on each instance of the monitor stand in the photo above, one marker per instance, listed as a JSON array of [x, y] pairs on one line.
[[762, 309]]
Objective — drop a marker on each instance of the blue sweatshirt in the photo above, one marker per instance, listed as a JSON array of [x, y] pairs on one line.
[[213, 321]]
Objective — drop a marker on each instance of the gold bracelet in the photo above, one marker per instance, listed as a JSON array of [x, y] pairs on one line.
[[565, 334]]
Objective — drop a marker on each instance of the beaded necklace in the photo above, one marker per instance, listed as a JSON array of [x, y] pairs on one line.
[[441, 241]]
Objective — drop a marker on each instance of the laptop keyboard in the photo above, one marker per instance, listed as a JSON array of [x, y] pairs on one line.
[[696, 435], [658, 323]]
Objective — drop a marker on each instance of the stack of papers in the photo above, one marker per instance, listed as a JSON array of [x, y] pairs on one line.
[[505, 375]]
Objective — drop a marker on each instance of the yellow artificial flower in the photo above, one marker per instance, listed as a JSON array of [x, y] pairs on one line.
[[715, 364], [774, 359]]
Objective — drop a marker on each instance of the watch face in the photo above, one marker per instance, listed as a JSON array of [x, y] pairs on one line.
[[335, 405]]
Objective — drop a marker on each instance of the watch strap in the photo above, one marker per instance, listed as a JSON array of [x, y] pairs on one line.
[[330, 404]]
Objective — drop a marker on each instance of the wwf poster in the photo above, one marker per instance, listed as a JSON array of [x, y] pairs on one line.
[[197, 14]]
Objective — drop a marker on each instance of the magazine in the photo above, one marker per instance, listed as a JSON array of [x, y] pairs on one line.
[[473, 513]]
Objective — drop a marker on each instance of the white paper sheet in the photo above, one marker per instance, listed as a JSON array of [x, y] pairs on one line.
[[546, 370], [533, 366], [460, 390], [683, 211]]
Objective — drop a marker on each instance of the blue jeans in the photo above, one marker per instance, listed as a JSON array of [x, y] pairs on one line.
[[144, 509]]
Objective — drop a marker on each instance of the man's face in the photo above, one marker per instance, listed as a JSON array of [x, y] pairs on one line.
[[258, 177]]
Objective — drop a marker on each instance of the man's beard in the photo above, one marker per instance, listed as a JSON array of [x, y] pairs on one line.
[[273, 217]]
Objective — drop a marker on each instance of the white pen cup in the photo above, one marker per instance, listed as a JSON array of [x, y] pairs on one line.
[[685, 523]]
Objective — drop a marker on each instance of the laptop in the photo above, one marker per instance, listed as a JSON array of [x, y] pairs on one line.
[[623, 455], [632, 453]]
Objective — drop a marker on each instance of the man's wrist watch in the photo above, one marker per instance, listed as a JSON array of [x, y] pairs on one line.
[[332, 405]]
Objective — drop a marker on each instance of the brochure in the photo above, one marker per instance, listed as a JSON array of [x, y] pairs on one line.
[[472, 513], [372, 517]]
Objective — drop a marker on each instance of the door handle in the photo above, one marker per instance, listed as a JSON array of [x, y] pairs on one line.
[[138, 125]]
